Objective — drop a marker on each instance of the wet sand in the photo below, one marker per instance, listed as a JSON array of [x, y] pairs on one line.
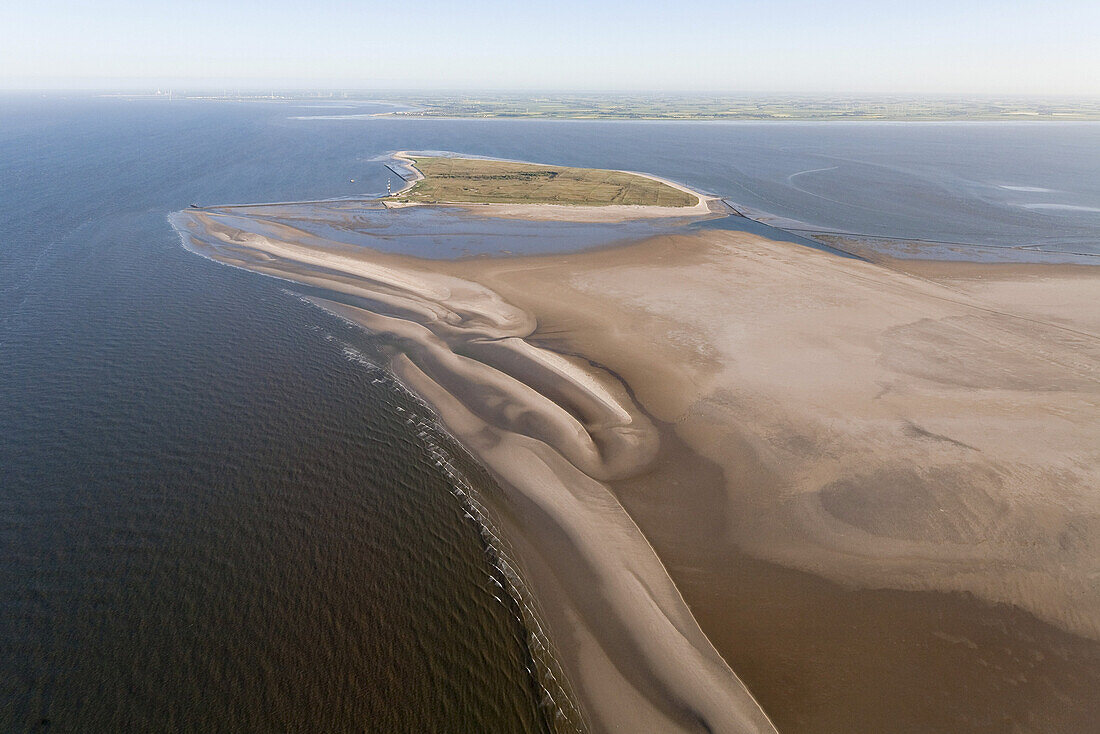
[[872, 491]]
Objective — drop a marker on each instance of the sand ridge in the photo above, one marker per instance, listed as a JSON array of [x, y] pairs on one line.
[[633, 650], [882, 429]]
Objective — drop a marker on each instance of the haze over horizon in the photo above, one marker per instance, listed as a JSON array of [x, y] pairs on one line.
[[790, 46]]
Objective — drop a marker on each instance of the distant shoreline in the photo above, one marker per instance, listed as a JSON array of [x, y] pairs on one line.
[[658, 107]]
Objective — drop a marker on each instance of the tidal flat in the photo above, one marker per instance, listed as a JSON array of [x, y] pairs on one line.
[[223, 514], [753, 482]]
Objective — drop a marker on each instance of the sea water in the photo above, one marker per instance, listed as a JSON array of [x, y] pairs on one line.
[[215, 513]]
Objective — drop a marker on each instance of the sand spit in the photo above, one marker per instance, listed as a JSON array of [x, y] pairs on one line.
[[555, 431], [404, 160], [660, 410], [611, 213]]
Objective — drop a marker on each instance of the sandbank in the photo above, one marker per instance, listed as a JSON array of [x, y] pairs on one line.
[[871, 493]]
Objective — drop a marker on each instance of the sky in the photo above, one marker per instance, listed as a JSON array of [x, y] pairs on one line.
[[1008, 47]]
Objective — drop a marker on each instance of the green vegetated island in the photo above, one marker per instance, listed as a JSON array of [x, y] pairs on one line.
[[468, 180]]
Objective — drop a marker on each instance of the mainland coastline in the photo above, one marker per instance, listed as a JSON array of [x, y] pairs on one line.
[[697, 424]]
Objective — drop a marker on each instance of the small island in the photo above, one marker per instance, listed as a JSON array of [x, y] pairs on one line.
[[484, 181]]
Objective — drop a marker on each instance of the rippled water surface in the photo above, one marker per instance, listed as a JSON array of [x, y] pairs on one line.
[[215, 514]]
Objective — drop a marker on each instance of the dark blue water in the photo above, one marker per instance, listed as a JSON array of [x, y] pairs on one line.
[[213, 515], [210, 517]]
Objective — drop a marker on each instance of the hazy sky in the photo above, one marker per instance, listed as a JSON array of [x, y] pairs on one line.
[[917, 46]]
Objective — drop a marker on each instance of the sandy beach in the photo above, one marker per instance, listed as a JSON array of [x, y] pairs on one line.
[[737, 470]]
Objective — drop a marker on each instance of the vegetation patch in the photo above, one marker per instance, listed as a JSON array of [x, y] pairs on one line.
[[467, 180]]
